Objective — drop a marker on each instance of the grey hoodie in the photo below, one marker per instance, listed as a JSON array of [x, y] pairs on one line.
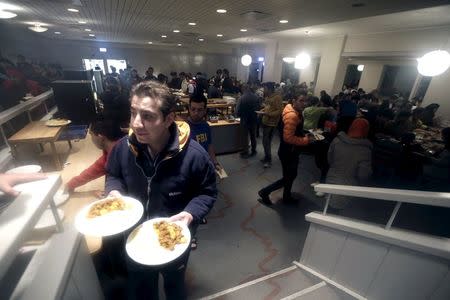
[[350, 161]]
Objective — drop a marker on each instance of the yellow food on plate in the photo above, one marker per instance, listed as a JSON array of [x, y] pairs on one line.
[[169, 234], [104, 207]]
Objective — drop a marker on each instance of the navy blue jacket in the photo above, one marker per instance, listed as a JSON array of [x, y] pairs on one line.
[[181, 177]]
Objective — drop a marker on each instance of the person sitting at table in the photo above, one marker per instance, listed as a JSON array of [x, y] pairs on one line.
[[437, 173], [400, 125], [312, 113], [8, 181], [347, 110], [428, 114], [200, 129], [350, 159], [104, 133]]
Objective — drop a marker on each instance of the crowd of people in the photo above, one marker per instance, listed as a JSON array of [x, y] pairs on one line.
[[24, 77]]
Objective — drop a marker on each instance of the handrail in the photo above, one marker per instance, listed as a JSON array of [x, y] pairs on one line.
[[396, 195], [16, 110], [406, 196]]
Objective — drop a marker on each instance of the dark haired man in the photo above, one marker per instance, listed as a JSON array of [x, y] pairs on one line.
[[168, 172], [104, 134], [200, 130]]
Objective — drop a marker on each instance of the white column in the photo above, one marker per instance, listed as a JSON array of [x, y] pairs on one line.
[[330, 63], [370, 77], [272, 65]]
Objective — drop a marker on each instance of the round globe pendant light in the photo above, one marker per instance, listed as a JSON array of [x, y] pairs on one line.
[[360, 68], [246, 60], [433, 63], [302, 61]]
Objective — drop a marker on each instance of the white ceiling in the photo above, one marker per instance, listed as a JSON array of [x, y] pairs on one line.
[[140, 21], [407, 20]]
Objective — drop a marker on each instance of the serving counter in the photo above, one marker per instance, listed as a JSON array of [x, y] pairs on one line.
[[228, 137]]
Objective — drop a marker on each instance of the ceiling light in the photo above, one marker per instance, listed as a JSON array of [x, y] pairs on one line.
[[360, 68], [88, 30], [81, 22], [284, 21], [7, 15], [149, 43], [38, 28], [289, 60], [222, 11], [73, 9], [246, 60], [220, 35], [176, 30], [102, 49], [243, 30], [164, 36], [302, 60], [433, 63], [201, 40], [179, 45], [91, 34], [260, 58], [57, 32], [192, 23]]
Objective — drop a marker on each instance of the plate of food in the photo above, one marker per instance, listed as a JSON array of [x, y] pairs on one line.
[[109, 216], [57, 122], [158, 242]]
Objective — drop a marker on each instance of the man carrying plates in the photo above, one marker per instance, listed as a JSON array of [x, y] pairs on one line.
[[169, 173]]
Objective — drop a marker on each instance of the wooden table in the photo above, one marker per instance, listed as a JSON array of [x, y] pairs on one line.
[[37, 133]]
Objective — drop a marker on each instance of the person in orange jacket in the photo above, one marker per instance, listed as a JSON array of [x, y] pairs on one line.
[[288, 152], [105, 133]]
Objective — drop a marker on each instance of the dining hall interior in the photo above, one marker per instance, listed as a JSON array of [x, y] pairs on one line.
[[316, 163]]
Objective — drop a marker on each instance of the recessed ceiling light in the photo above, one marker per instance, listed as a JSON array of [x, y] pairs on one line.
[[7, 14], [243, 30], [201, 40], [57, 32], [73, 9], [103, 49], [284, 21], [88, 30], [149, 43], [91, 34], [81, 22], [192, 23], [222, 11], [38, 28], [179, 45], [220, 35], [164, 36], [176, 30]]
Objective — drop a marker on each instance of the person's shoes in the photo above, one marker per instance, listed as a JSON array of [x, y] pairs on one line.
[[264, 199], [314, 184], [267, 164], [320, 194], [263, 160]]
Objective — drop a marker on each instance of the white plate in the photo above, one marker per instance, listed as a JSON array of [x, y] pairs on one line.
[[48, 220], [319, 137], [144, 248], [112, 223], [25, 169], [60, 198]]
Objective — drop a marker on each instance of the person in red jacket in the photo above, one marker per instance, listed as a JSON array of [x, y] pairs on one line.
[[105, 133], [288, 152]]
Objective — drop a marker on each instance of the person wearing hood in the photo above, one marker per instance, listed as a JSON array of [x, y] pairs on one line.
[[288, 152], [350, 159], [171, 174]]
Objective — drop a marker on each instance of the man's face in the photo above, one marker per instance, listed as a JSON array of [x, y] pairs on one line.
[[299, 103], [147, 120], [197, 111], [98, 140]]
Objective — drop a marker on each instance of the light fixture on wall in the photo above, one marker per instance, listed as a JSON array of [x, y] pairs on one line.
[[302, 61], [433, 63], [246, 60], [38, 28], [360, 68], [289, 60]]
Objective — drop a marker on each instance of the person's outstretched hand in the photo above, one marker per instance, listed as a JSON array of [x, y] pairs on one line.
[[183, 216], [8, 181]]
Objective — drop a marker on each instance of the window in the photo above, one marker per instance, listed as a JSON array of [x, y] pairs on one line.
[[119, 64], [91, 64]]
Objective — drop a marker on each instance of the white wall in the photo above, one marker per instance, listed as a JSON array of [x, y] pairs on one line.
[[307, 75], [70, 53], [371, 75]]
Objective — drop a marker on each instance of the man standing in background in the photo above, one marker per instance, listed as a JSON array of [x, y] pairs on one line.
[[246, 110]]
